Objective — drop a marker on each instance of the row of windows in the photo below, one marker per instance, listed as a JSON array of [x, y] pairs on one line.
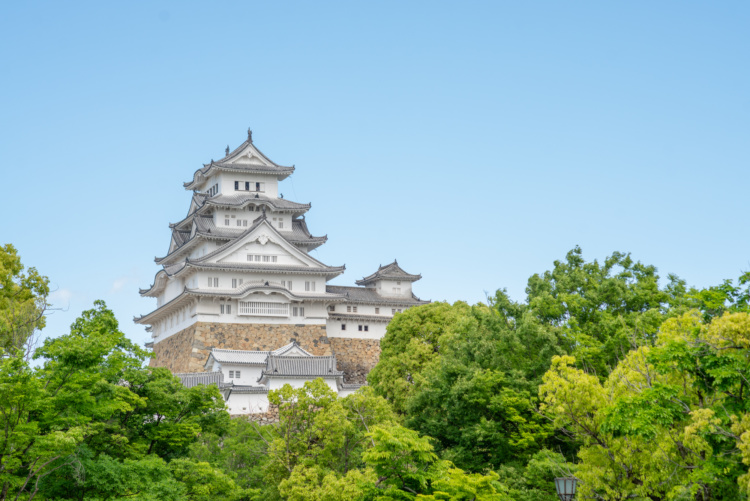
[[353, 309], [235, 374], [225, 308], [213, 190], [246, 186], [361, 328], [258, 258], [240, 222], [298, 311]]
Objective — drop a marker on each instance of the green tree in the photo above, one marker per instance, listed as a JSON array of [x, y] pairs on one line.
[[668, 421], [23, 302], [411, 344]]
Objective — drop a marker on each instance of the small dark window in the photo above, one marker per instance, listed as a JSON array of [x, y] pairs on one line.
[[360, 327], [236, 185], [257, 186], [247, 185], [343, 327], [366, 328]]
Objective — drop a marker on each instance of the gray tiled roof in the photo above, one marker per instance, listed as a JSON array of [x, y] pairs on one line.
[[351, 386], [244, 198], [246, 357], [240, 200], [364, 318], [282, 366], [389, 272], [249, 389], [205, 227], [367, 295], [280, 268], [190, 379], [249, 168]]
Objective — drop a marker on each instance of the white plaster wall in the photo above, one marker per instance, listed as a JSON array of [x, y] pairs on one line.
[[249, 374], [226, 182], [375, 330], [385, 288], [247, 403]]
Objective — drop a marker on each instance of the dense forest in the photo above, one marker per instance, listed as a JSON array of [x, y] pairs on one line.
[[636, 385]]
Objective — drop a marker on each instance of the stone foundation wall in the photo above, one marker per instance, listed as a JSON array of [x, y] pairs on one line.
[[356, 357], [187, 351]]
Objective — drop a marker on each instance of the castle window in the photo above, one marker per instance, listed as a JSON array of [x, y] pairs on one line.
[[331, 308], [236, 186], [360, 328], [397, 290], [266, 259], [213, 281], [393, 311], [264, 308], [257, 186], [310, 286], [354, 309], [247, 186], [237, 374], [298, 311], [274, 259], [234, 283], [367, 328], [226, 220], [377, 311], [257, 258], [343, 327], [281, 223], [348, 309], [239, 222], [231, 374]]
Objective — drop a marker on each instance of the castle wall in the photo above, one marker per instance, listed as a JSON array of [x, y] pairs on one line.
[[356, 357], [187, 350]]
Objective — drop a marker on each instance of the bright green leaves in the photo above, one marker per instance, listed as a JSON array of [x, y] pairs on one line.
[[23, 301], [410, 345], [665, 423]]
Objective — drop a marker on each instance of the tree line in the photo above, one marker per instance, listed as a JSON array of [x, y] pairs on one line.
[[636, 386]]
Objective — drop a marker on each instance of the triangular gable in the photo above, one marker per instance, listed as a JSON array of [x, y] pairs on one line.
[[246, 154], [292, 350], [262, 233]]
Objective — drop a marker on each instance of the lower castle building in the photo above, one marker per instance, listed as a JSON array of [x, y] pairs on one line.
[[238, 276]]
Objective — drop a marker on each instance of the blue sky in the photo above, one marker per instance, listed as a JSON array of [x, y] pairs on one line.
[[477, 142]]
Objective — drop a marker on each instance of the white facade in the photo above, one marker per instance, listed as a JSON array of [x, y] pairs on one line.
[[241, 255], [248, 376]]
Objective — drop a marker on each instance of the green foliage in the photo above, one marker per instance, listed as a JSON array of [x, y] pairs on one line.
[[23, 301], [478, 398], [411, 343], [668, 421], [601, 309]]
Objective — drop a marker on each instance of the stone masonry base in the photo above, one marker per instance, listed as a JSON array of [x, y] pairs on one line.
[[187, 351]]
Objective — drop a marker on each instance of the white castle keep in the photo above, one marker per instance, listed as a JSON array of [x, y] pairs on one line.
[[239, 276]]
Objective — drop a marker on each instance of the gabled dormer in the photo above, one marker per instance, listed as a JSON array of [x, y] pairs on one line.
[[245, 161], [390, 281]]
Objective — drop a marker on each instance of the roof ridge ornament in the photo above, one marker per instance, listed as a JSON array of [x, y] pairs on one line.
[[227, 151], [249, 135]]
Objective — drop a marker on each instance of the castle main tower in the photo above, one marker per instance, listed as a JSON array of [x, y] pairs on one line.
[[238, 275]]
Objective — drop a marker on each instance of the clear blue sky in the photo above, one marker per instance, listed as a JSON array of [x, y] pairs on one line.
[[477, 142]]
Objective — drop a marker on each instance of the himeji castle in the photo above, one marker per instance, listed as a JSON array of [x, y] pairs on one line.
[[238, 275]]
